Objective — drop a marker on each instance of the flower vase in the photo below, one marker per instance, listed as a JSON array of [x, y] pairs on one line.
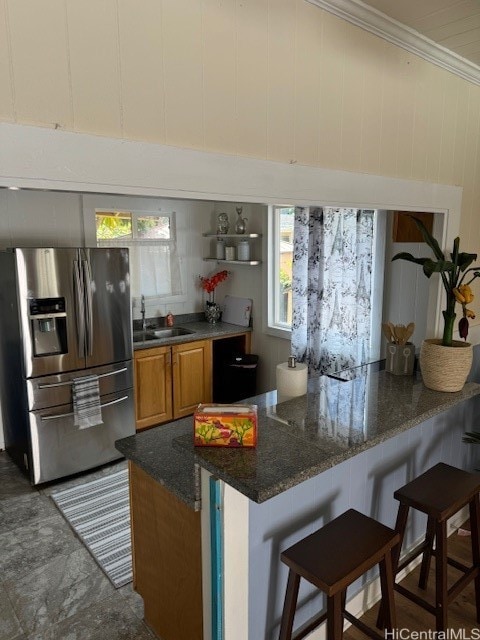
[[212, 312]]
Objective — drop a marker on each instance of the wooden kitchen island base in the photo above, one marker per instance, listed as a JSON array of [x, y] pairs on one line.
[[167, 559]]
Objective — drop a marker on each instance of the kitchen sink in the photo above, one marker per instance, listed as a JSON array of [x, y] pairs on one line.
[[159, 334], [171, 333]]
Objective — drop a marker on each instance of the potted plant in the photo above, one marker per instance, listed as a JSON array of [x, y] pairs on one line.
[[212, 310], [446, 363]]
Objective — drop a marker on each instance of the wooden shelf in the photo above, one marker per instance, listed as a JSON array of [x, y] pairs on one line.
[[248, 262]]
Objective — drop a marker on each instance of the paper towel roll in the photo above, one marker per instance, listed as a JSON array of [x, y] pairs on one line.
[[291, 381]]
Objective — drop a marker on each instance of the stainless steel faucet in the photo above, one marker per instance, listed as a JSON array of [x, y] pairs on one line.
[[142, 311]]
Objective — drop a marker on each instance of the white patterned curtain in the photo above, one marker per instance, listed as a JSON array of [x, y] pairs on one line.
[[331, 283]]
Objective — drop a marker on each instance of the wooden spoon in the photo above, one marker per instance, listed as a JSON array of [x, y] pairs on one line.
[[387, 331]]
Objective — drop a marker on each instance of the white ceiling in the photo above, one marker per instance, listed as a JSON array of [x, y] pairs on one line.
[[454, 24], [444, 32]]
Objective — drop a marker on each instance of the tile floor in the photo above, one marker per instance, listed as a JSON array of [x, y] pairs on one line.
[[50, 586]]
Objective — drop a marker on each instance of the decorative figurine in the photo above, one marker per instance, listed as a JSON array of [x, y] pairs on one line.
[[241, 224], [223, 223]]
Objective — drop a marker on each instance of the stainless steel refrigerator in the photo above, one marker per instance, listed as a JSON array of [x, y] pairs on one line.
[[64, 314]]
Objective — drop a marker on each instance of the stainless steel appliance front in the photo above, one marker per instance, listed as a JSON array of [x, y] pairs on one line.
[[60, 449], [65, 313]]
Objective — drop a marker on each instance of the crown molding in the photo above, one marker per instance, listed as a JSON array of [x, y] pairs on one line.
[[370, 19]]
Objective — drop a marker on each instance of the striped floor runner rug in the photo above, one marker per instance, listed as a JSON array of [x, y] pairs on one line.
[[99, 513]]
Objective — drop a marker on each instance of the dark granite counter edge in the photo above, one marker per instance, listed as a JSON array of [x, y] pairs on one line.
[[177, 471], [469, 391], [201, 331]]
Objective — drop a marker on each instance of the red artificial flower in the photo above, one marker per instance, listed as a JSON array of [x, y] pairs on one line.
[[210, 284]]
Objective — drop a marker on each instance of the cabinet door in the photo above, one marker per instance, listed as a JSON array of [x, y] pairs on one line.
[[153, 386], [167, 558], [192, 376]]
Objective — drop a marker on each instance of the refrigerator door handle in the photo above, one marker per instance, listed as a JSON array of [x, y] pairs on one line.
[[70, 382], [79, 308], [87, 282], [67, 415]]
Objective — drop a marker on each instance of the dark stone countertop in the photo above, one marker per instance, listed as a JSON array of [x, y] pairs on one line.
[[201, 331], [153, 451], [297, 439]]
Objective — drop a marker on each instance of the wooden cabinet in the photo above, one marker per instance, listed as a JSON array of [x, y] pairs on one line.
[[171, 381], [192, 376], [167, 558], [153, 386]]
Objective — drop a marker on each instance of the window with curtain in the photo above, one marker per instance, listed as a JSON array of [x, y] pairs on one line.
[[151, 239], [333, 254]]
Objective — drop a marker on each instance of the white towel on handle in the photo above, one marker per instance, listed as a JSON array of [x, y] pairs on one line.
[[87, 411]]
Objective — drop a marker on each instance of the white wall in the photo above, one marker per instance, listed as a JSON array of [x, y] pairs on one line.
[[40, 218], [248, 282], [405, 293]]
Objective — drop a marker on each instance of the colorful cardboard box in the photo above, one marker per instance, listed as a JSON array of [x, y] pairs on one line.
[[225, 425]]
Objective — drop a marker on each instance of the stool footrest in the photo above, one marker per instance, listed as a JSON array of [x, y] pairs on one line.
[[412, 555], [414, 598], [368, 631], [451, 561], [461, 583], [309, 626], [458, 565]]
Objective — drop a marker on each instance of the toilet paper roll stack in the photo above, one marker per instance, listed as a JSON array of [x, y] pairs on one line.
[[291, 381]]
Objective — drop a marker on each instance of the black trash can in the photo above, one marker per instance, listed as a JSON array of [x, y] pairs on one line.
[[239, 377]]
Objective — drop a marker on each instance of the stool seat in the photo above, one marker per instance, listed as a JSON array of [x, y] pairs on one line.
[[341, 551], [331, 559], [440, 493]]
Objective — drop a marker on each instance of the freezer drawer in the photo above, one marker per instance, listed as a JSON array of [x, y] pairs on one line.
[[60, 449], [51, 391]]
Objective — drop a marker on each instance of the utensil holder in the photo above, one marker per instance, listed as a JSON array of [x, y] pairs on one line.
[[400, 359]]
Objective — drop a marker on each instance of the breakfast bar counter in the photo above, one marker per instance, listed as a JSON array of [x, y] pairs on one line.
[[298, 439], [349, 442]]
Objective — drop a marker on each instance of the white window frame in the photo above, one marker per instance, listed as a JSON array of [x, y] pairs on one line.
[[168, 298], [104, 202], [135, 213], [274, 328]]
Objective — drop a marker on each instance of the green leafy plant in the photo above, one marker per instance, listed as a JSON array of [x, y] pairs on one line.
[[453, 271]]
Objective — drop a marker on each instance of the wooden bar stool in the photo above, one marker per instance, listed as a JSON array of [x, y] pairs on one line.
[[331, 559], [439, 492]]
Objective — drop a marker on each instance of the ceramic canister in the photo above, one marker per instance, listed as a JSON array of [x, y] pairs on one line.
[[243, 250], [220, 249], [230, 253]]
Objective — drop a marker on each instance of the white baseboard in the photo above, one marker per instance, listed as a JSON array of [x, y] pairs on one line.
[[371, 593]]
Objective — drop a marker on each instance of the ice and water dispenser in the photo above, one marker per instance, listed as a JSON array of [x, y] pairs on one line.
[[49, 326]]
